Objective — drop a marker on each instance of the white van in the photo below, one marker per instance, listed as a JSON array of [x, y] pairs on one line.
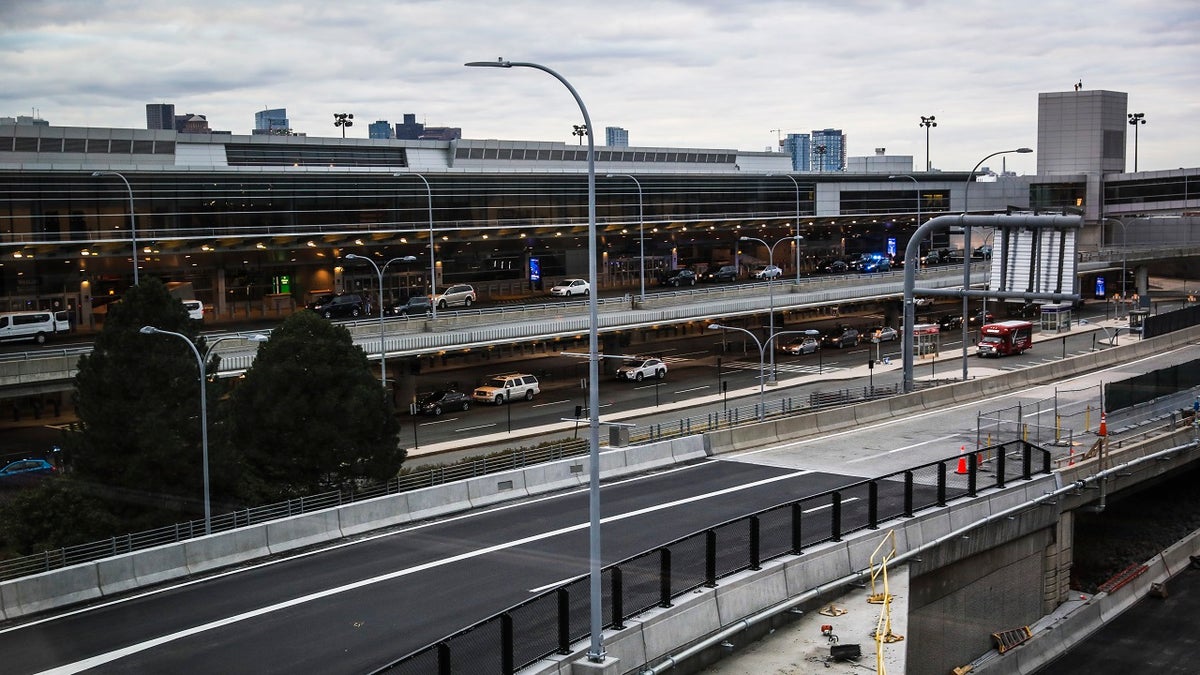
[[36, 325], [195, 309]]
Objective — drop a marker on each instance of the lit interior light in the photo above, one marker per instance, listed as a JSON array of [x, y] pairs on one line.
[[206, 247], [311, 244], [358, 242], [260, 246]]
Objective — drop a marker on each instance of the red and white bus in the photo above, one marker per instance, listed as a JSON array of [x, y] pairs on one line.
[[1005, 337]]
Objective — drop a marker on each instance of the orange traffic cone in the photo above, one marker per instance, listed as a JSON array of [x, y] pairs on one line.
[[1071, 457], [1103, 425], [962, 460]]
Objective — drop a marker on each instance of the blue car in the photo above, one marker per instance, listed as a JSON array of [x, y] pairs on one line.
[[26, 470]]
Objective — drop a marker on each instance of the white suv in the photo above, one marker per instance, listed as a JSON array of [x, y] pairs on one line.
[[640, 369], [505, 388], [458, 294]]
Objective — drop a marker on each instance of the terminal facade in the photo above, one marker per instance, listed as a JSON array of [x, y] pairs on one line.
[[265, 221]]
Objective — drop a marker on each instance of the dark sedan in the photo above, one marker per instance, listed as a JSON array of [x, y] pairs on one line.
[[440, 401]]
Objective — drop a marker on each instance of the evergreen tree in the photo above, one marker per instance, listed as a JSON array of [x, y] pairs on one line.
[[310, 416], [138, 397]]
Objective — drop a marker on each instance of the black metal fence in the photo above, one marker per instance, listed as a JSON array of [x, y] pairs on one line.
[[550, 622]]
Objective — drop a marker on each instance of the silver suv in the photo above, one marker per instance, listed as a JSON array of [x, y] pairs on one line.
[[458, 294], [505, 388]]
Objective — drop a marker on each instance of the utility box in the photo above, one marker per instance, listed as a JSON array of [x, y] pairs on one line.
[[618, 436]]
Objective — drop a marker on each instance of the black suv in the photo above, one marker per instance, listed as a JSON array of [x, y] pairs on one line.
[[336, 306], [722, 273], [842, 337], [677, 278], [417, 305]]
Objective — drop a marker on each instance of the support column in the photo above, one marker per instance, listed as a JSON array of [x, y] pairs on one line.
[[404, 381], [219, 291], [610, 345], [1142, 280]]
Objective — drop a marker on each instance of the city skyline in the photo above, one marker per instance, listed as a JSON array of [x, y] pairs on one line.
[[698, 74]]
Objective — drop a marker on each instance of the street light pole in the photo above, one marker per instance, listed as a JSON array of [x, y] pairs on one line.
[[967, 253], [641, 230], [200, 361], [1136, 120], [432, 265], [379, 273], [798, 237], [771, 287], [927, 122], [918, 186], [1124, 252], [132, 222], [816, 335], [596, 650], [761, 360]]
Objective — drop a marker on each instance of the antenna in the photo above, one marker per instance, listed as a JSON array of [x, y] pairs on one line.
[[779, 136]]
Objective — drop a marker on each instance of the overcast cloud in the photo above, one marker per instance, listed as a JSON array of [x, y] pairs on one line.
[[703, 74]]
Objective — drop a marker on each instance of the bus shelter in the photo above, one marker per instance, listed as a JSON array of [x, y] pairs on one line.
[[1056, 317], [926, 339]]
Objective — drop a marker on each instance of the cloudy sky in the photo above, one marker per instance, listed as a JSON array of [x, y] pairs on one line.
[[699, 73]]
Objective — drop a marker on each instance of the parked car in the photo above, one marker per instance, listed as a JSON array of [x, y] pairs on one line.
[[640, 369], [767, 272], [24, 471], [950, 322], [458, 294], [679, 277], [884, 334], [843, 337], [338, 306], [801, 345], [833, 266], [982, 253], [417, 305], [722, 273], [568, 287], [437, 402], [505, 388]]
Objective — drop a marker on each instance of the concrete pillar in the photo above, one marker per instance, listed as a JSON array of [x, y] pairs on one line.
[[609, 666], [1142, 281], [403, 374], [219, 291], [1059, 558], [86, 320], [610, 345]]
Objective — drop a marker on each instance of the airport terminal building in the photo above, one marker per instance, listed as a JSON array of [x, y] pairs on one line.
[[263, 222]]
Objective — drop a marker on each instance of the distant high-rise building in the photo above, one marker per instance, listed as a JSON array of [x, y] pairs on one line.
[[379, 129], [616, 137], [828, 150], [192, 123], [1082, 132], [798, 146], [25, 121], [160, 116], [410, 129], [271, 121]]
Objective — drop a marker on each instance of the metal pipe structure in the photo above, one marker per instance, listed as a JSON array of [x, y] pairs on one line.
[[641, 230], [771, 286], [966, 322], [432, 264], [200, 361], [938, 223], [132, 222], [379, 273], [596, 651]]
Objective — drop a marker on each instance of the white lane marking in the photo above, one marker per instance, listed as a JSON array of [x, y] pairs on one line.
[[688, 391], [543, 405], [478, 426], [907, 447], [564, 582], [109, 657], [440, 421]]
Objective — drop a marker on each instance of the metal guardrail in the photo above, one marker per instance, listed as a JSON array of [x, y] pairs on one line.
[[551, 621]]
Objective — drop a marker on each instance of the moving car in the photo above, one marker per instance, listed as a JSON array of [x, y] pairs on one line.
[[36, 326], [568, 287], [767, 272], [24, 471], [843, 337], [640, 369], [505, 388], [337, 306], [680, 277], [722, 273], [417, 305], [801, 345], [458, 294], [437, 402], [884, 334], [195, 309]]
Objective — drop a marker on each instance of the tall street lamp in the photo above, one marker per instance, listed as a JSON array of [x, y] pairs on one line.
[[771, 286], [1136, 120], [432, 265], [343, 120], [967, 252], [200, 361], [596, 650], [132, 222], [918, 186], [927, 122], [641, 229], [379, 273], [820, 151], [761, 360], [798, 237]]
